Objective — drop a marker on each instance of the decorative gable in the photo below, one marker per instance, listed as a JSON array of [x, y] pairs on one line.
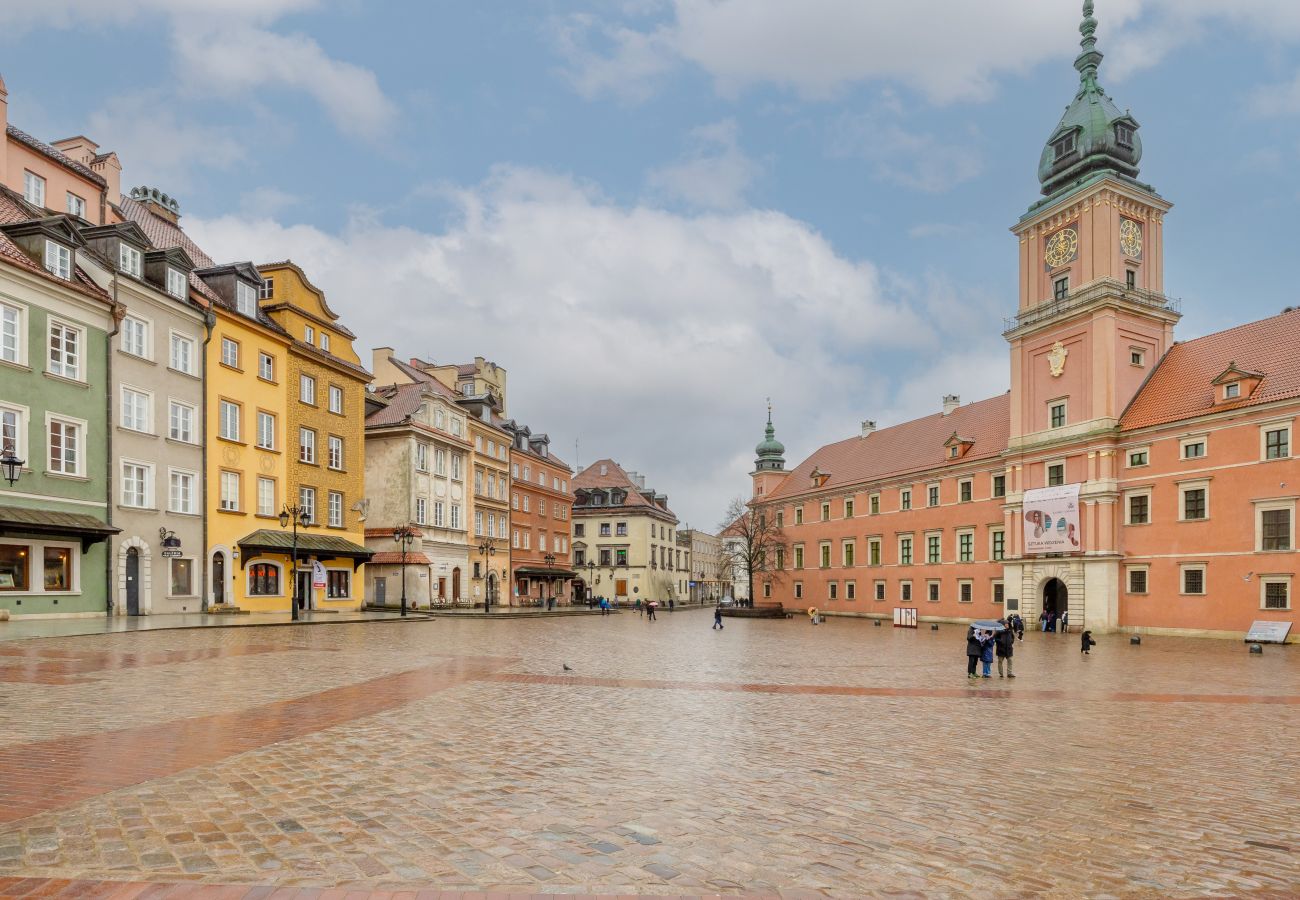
[[1235, 383], [957, 446], [818, 477]]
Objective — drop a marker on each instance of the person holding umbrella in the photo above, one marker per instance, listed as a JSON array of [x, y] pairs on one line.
[[1005, 641], [973, 651]]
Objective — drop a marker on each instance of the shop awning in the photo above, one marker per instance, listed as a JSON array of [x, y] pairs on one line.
[[15, 520], [321, 546], [544, 572]]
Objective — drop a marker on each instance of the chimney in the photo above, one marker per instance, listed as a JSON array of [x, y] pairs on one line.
[[154, 200], [950, 403], [379, 359], [4, 124], [108, 167], [868, 426], [79, 149]]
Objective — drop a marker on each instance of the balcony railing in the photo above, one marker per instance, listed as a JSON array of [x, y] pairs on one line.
[[1102, 287]]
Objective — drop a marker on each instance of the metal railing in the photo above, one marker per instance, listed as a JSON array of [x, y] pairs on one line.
[[1100, 288]]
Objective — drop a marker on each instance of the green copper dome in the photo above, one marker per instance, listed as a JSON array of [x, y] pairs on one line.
[[1094, 135], [770, 451]]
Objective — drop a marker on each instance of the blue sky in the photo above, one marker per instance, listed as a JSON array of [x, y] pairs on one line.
[[656, 213]]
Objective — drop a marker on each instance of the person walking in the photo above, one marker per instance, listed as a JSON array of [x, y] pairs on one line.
[[670, 604], [973, 650], [1019, 625], [640, 611], [650, 607], [1065, 621], [1087, 643], [1005, 642], [1042, 621], [717, 617]]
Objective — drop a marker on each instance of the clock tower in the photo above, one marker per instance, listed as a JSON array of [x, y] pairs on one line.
[[1093, 319]]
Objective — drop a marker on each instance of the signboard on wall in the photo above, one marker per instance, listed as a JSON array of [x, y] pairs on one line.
[[1265, 632], [1052, 520]]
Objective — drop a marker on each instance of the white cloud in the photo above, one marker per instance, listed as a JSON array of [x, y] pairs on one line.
[[653, 336], [161, 149], [715, 174], [81, 13], [605, 58], [916, 160]]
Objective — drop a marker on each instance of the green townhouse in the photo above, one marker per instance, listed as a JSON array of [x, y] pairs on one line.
[[55, 328]]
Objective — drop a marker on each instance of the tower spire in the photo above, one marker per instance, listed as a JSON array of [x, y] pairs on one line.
[[771, 452], [1089, 60]]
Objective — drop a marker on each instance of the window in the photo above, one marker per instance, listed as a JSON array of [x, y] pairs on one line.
[[879, 590], [135, 410], [325, 342], [422, 458], [1275, 592], [780, 558], [338, 584], [180, 422], [847, 553], [798, 515], [1139, 458], [421, 511], [998, 542], [620, 555], [307, 500], [265, 496], [181, 581], [76, 205], [620, 528], [307, 446], [825, 551], [230, 491], [1139, 509], [1193, 578], [307, 389], [1055, 474], [135, 337], [1057, 414], [33, 189], [263, 580], [873, 504], [1137, 357], [309, 334], [905, 499], [1195, 502], [832, 590], [1275, 527], [527, 503], [826, 512], [182, 354], [905, 551], [933, 548], [798, 556], [965, 591], [798, 590], [10, 334], [135, 485], [850, 590], [455, 467], [129, 259], [1124, 135], [65, 350], [177, 284], [1061, 288], [267, 289], [266, 367], [873, 551], [905, 591], [478, 522], [229, 353], [265, 430], [336, 399], [1130, 282], [966, 490], [65, 447], [439, 514], [1277, 443], [335, 452], [58, 260], [181, 492], [966, 546], [1063, 147], [999, 592], [11, 433], [932, 495], [1193, 448], [932, 591], [335, 509], [228, 420], [246, 299], [999, 485], [455, 515], [1232, 391], [848, 508]]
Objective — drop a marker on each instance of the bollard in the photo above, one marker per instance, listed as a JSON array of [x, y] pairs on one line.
[[934, 627], [876, 622], [1135, 639], [1256, 648]]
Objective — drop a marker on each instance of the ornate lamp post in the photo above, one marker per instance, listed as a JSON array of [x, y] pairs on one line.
[[297, 516], [550, 564], [591, 577], [11, 465], [404, 536], [488, 551]]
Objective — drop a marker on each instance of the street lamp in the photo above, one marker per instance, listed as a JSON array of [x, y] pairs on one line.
[[297, 516], [591, 577], [405, 537], [11, 464], [488, 550], [550, 564]]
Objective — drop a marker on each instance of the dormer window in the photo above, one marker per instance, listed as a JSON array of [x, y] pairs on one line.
[[246, 298], [129, 259], [176, 283], [1124, 135], [267, 290], [1063, 147], [1232, 390], [58, 260]]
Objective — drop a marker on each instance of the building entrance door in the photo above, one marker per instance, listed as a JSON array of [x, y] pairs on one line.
[[218, 577], [620, 587], [381, 591], [304, 589], [1056, 599], [133, 582]]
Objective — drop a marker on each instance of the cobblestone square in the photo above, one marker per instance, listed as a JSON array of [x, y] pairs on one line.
[[772, 758]]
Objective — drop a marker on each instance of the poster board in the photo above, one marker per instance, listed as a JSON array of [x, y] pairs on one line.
[[1262, 631], [1052, 520]]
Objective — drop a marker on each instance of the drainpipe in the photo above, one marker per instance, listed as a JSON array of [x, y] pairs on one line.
[[209, 323], [118, 312]]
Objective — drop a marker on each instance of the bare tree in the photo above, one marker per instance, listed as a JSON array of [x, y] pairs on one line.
[[752, 542]]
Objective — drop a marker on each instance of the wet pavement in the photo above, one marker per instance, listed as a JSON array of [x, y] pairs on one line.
[[23, 629], [772, 758]]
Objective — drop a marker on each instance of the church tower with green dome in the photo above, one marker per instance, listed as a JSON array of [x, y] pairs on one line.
[[769, 464]]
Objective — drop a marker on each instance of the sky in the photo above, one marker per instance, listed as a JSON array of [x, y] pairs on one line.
[[657, 214]]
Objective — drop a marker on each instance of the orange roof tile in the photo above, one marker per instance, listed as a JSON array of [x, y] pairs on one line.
[[1180, 387], [913, 446], [615, 477]]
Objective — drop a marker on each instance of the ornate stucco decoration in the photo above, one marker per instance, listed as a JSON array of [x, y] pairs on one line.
[[1056, 359]]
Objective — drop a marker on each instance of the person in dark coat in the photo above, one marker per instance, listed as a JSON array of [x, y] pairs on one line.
[[1087, 643], [1019, 624], [973, 651], [1005, 644], [986, 653], [717, 617]]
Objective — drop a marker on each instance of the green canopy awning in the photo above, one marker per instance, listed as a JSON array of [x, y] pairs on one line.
[[321, 546], [16, 520]]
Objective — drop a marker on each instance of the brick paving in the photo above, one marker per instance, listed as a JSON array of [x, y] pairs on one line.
[[769, 759]]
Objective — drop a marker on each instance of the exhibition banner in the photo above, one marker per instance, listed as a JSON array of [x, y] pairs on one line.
[[1052, 520]]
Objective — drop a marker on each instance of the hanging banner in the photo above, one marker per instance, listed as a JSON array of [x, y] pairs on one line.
[[1052, 520], [317, 575]]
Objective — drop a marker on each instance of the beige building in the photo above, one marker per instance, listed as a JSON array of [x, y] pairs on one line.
[[625, 537], [701, 555]]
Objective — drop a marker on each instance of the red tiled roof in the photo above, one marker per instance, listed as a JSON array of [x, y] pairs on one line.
[[1180, 387], [47, 151], [615, 477], [14, 210], [403, 400], [165, 235], [909, 447]]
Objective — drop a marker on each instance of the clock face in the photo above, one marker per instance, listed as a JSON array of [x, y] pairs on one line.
[[1130, 238], [1061, 247]]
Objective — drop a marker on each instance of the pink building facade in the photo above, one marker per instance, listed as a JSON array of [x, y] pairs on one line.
[[1174, 462]]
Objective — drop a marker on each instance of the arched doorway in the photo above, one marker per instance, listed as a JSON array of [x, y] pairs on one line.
[[491, 598], [1055, 600], [132, 582], [219, 577], [455, 584]]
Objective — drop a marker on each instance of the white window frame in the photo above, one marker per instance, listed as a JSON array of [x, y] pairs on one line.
[[186, 435], [1128, 510], [933, 533], [1047, 472], [1183, 569], [910, 538], [129, 400], [957, 536], [180, 353], [994, 584], [75, 204], [966, 583], [146, 471], [265, 366], [1183, 488], [224, 477], [267, 508], [1264, 581], [77, 370], [21, 416], [186, 509], [306, 445], [933, 590], [1064, 404], [308, 334], [81, 434], [222, 431], [336, 399], [1267, 427], [1232, 390], [58, 260], [993, 536], [333, 442], [265, 439], [439, 514], [307, 500], [1132, 452], [1286, 505], [129, 259], [1184, 443], [135, 337], [230, 352], [421, 511], [307, 389], [905, 592], [246, 299], [325, 341], [421, 456], [966, 483], [937, 487], [334, 509], [904, 499], [13, 333], [33, 188], [177, 284]]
